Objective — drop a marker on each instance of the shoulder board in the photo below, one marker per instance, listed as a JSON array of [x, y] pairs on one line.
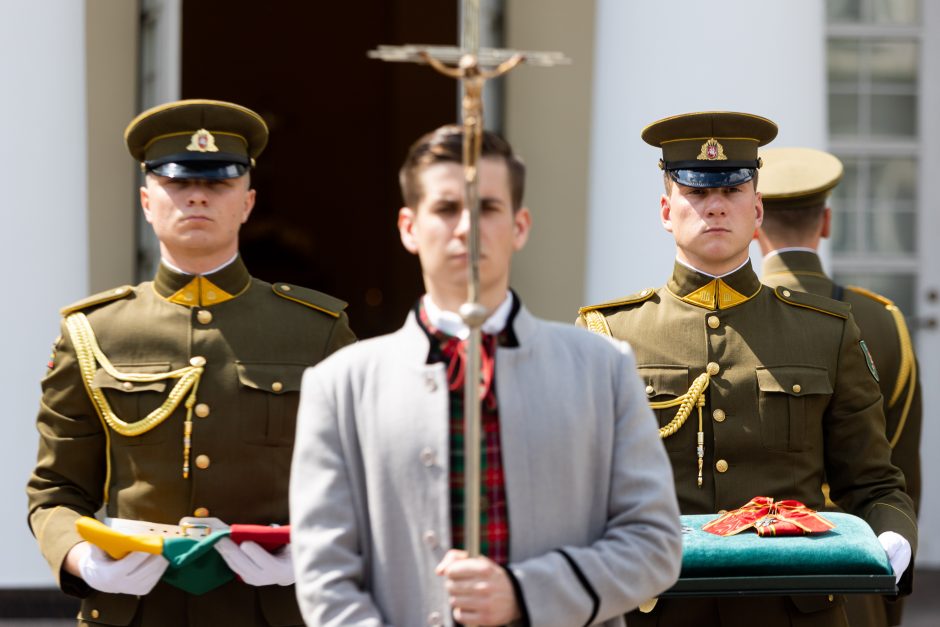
[[639, 297], [887, 302], [310, 298], [815, 302], [96, 299]]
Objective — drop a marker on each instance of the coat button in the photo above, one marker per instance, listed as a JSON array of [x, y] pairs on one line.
[[435, 620], [721, 465], [427, 456], [277, 386], [285, 287], [95, 614], [714, 322], [204, 316], [430, 383], [200, 512], [201, 409], [649, 390], [197, 361], [202, 461], [712, 368], [796, 388], [127, 385], [430, 538], [786, 293], [719, 415]]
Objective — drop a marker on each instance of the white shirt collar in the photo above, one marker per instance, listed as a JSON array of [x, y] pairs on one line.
[[451, 323], [175, 269], [714, 276], [787, 249]]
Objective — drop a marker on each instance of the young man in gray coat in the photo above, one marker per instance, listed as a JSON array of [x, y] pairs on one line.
[[579, 516]]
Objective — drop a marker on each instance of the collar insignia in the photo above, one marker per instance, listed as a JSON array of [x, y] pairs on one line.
[[202, 141], [712, 150]]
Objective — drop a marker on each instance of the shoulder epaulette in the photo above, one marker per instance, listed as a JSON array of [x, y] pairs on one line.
[[815, 302], [310, 298], [96, 299], [639, 297], [887, 302]]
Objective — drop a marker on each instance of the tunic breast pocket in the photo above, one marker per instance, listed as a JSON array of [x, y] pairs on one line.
[[267, 401], [665, 383], [789, 398], [132, 401]]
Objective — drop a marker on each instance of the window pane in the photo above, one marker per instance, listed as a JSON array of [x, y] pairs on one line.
[[898, 287], [842, 234], [843, 114], [894, 12], [842, 59], [893, 116], [890, 233], [893, 180], [843, 10], [892, 219], [894, 62], [845, 209]]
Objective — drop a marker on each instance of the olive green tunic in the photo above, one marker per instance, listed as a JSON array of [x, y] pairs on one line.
[[900, 385], [255, 341], [790, 401]]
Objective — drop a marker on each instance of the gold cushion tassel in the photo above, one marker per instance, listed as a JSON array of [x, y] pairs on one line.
[[694, 397], [90, 355]]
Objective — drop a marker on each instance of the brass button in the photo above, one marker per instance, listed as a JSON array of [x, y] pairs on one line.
[[286, 288], [201, 512], [786, 293], [197, 361], [714, 322], [796, 388], [645, 292], [210, 295], [202, 461], [127, 385], [721, 465], [204, 316], [830, 598], [649, 390], [95, 614], [120, 290], [277, 386], [712, 368], [719, 415], [202, 410]]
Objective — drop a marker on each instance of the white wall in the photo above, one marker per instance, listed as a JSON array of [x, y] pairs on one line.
[[43, 239], [655, 59]]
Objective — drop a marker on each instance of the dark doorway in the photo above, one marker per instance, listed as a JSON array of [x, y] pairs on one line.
[[340, 126]]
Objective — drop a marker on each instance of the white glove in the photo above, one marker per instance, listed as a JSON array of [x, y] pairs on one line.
[[136, 573], [898, 550], [255, 565]]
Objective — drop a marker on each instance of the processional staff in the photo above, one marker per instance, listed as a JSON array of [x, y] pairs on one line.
[[470, 64]]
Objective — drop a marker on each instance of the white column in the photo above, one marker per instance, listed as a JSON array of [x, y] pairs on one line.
[[655, 59], [43, 239]]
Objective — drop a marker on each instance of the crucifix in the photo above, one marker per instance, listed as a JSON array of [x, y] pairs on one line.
[[472, 66]]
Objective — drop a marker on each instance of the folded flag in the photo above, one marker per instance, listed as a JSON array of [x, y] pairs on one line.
[[770, 518]]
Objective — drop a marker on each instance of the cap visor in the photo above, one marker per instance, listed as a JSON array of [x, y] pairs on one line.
[[728, 177], [214, 170]]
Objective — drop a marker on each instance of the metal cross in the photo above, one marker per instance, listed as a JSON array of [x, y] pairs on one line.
[[473, 66]]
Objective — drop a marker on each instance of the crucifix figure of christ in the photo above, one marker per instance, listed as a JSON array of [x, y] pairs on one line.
[[472, 66]]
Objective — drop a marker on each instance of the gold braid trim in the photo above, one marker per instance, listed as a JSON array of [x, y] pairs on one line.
[[907, 374], [89, 355], [694, 397], [597, 322]]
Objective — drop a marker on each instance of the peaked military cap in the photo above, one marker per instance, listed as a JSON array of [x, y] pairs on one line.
[[797, 178], [710, 148], [205, 139]]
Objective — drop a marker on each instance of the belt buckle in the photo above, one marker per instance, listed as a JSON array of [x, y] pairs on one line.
[[196, 530]]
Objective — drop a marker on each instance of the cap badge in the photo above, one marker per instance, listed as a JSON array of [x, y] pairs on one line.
[[712, 151], [202, 141]]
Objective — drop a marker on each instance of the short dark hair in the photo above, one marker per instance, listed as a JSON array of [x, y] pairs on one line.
[[789, 223], [445, 145]]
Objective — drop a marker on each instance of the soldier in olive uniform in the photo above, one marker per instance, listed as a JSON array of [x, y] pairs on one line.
[[794, 184], [759, 391], [177, 397]]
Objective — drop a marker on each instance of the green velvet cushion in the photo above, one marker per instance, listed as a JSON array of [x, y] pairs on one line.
[[849, 549]]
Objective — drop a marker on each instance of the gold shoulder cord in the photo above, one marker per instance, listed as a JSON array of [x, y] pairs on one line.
[[694, 397], [597, 323], [907, 374], [89, 355]]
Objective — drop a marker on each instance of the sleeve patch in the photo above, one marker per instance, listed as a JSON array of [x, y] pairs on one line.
[[868, 360]]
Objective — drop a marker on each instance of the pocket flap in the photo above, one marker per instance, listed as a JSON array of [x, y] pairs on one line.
[[105, 381], [794, 380], [270, 377], [665, 380]]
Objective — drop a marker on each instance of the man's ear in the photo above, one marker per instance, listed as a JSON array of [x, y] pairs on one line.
[[249, 205], [826, 229], [521, 227], [664, 212], [759, 210], [145, 203], [406, 229]]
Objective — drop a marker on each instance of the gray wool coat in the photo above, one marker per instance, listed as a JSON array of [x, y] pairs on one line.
[[594, 522]]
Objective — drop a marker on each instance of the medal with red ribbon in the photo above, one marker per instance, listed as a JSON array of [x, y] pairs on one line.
[[770, 518]]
